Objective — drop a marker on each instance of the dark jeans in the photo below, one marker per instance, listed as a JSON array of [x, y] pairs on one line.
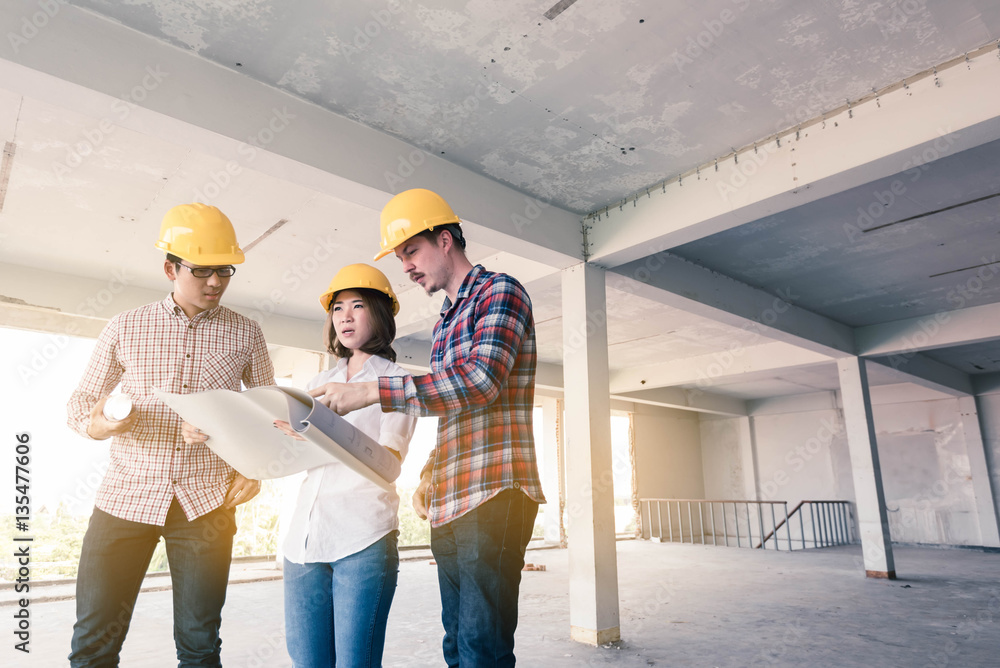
[[113, 561], [479, 558], [336, 613]]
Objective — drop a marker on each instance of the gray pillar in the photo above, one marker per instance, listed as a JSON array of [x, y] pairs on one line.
[[552, 476], [590, 517], [873, 521], [748, 455], [981, 484]]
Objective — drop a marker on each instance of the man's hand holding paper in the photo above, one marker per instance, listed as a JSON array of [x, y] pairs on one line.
[[342, 398]]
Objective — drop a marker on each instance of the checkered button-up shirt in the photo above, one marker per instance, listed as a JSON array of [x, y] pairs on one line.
[[158, 346], [482, 385]]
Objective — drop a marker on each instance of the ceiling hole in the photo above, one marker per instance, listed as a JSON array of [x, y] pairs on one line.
[[239, 64], [642, 20]]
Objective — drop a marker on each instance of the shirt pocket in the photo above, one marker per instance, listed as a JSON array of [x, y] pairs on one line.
[[222, 371]]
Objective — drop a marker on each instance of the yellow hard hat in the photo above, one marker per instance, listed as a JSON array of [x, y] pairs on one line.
[[355, 276], [201, 234], [411, 212]]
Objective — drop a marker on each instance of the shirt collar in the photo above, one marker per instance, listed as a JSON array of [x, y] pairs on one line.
[[368, 368], [465, 289], [172, 307]]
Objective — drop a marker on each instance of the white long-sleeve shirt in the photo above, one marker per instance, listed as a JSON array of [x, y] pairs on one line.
[[338, 511]]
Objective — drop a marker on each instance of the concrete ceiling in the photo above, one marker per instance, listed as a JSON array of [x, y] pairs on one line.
[[579, 110], [301, 119], [900, 247]]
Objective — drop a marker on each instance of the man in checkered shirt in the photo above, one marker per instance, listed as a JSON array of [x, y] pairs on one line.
[[480, 487], [163, 481]]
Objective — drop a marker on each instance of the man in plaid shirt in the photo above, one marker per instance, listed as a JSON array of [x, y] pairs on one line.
[[480, 486], [163, 481]]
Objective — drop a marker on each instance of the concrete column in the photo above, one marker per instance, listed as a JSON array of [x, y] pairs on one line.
[[552, 476], [590, 516], [981, 484], [873, 521], [748, 455]]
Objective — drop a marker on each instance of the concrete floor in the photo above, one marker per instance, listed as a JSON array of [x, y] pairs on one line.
[[681, 605]]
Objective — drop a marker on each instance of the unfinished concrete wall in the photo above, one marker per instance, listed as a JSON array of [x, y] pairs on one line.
[[925, 472], [801, 453], [726, 458], [667, 458], [802, 456]]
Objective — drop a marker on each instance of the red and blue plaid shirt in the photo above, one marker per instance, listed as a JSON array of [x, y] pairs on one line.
[[482, 385]]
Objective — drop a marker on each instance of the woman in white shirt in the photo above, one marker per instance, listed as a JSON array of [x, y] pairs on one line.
[[341, 560]]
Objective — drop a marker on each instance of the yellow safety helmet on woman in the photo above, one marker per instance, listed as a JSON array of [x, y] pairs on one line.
[[355, 276], [411, 212], [200, 234]]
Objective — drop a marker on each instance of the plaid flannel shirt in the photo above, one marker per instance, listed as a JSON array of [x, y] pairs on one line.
[[482, 385], [157, 345]]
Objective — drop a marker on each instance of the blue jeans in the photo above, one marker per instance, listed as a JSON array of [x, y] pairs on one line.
[[479, 558], [336, 613], [113, 562]]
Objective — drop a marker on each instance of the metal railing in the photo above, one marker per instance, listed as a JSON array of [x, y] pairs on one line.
[[746, 523]]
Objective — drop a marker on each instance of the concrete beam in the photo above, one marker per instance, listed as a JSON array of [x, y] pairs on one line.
[[674, 281], [690, 400], [987, 383], [795, 403], [850, 148], [743, 363], [926, 372], [975, 324], [77, 306], [314, 147]]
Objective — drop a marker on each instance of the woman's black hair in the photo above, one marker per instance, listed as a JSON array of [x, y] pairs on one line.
[[379, 307]]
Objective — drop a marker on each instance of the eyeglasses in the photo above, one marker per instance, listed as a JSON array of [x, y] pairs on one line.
[[205, 272]]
